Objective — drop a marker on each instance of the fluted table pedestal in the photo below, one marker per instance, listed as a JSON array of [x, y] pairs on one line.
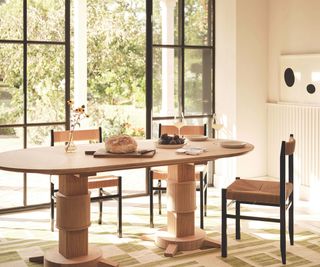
[[181, 233]]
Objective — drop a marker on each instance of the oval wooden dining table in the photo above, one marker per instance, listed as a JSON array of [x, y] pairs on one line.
[[73, 199]]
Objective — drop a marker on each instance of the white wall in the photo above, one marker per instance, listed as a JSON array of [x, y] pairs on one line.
[[294, 28], [225, 82], [252, 70], [251, 35], [241, 81]]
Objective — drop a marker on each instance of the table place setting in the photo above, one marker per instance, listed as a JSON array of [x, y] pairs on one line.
[[198, 137], [191, 150], [233, 144]]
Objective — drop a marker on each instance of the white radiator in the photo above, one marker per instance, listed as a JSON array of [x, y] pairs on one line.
[[304, 123]]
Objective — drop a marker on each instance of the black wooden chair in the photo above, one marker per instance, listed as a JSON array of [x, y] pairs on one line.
[[277, 194], [94, 182], [161, 173]]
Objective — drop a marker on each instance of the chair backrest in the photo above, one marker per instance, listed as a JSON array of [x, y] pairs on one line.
[[78, 135], [185, 130], [287, 149]]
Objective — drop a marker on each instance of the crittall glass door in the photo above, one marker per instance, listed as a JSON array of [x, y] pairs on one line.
[[34, 86], [146, 62], [181, 72]]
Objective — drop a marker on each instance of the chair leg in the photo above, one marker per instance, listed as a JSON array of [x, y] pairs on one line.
[[159, 196], [119, 207], [201, 200], [283, 233], [100, 206], [52, 205], [238, 235], [224, 223], [291, 222], [151, 197], [205, 194]]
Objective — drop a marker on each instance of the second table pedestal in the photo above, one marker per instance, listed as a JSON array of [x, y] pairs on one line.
[[181, 234]]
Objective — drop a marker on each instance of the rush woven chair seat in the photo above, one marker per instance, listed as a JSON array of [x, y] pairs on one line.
[[257, 191], [267, 193], [161, 173], [99, 182]]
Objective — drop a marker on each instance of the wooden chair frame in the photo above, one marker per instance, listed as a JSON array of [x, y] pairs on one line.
[[287, 149], [187, 129], [98, 182]]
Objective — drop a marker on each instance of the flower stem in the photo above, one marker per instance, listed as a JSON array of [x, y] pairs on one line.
[[72, 131]]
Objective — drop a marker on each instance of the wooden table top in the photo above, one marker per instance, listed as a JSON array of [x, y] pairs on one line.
[[54, 160]]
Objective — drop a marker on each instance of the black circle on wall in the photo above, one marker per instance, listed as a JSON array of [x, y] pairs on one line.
[[289, 77], [311, 88]]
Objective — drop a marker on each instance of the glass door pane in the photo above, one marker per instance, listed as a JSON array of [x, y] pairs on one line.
[[198, 81], [38, 184], [11, 84], [11, 20], [198, 20], [46, 20], [166, 81], [165, 22], [11, 183], [38, 136], [46, 83]]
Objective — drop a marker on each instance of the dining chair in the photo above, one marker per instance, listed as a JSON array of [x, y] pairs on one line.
[[268, 193], [161, 173], [94, 182]]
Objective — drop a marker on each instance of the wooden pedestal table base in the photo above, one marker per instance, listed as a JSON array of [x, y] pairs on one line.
[[54, 258], [181, 234], [173, 244], [73, 201], [73, 221]]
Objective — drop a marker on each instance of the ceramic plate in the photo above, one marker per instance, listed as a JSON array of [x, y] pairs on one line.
[[197, 137], [233, 144], [169, 146], [181, 151]]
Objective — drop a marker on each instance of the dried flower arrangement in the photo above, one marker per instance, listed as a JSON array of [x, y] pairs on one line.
[[77, 114]]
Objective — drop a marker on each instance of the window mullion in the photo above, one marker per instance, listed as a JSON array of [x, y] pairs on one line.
[[149, 67], [25, 89], [213, 12], [25, 62], [181, 84], [67, 62]]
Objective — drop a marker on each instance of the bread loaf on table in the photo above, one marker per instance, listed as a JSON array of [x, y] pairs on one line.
[[121, 144]]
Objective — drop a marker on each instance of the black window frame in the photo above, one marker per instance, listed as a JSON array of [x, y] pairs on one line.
[[25, 125], [149, 76], [182, 46]]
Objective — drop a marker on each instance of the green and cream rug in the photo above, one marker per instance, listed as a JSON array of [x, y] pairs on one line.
[[27, 234]]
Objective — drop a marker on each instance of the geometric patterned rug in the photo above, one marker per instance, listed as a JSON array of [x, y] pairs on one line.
[[27, 234]]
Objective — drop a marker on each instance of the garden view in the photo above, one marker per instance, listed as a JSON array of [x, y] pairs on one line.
[[116, 80]]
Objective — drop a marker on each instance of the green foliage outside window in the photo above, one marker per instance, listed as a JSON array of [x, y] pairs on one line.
[[116, 52], [116, 61]]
